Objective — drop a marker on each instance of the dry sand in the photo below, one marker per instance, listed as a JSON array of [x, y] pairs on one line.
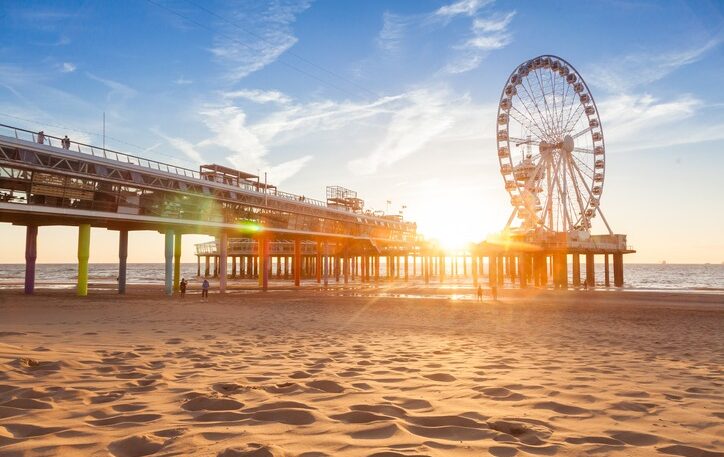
[[347, 373]]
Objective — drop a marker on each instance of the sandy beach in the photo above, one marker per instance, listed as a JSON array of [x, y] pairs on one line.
[[357, 372]]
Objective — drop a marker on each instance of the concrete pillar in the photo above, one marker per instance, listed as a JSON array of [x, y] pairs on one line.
[[427, 267], [474, 268], [318, 266], [206, 268], [500, 274], [512, 262], [31, 255], [233, 266], [168, 257], [523, 270], [606, 271], [441, 267], [122, 258], [492, 270], [198, 266], [264, 263], [544, 270], [325, 266], [407, 267], [590, 271], [618, 270], [223, 261], [297, 264], [177, 262], [377, 268], [83, 254], [576, 269], [216, 263]]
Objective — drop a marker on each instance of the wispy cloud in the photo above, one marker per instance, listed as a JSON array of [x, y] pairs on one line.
[[117, 90], [259, 38], [258, 96], [393, 31], [181, 144], [487, 33], [181, 81], [623, 74], [68, 67], [462, 7]]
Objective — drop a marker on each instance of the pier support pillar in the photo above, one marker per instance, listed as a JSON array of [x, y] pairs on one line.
[[618, 270], [233, 266], [223, 261], [500, 273], [122, 258], [590, 271], [297, 263], [264, 263], [318, 266], [177, 262], [325, 265], [577, 269], [83, 254], [523, 270], [474, 268], [492, 270], [206, 268], [441, 268], [407, 267], [168, 257], [31, 255], [606, 276]]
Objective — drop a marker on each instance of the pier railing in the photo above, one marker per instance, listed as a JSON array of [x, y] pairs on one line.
[[110, 154]]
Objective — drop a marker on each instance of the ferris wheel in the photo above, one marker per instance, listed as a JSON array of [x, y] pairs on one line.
[[550, 147]]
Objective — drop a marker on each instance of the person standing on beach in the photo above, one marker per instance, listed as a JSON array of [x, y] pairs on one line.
[[480, 293], [182, 287], [494, 292], [205, 290]]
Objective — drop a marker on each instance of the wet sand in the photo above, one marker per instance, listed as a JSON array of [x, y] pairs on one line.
[[358, 372]]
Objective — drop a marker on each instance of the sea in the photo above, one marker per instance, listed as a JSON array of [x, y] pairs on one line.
[[665, 277]]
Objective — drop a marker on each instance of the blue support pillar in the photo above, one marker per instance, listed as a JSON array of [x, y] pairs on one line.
[[31, 254], [169, 242]]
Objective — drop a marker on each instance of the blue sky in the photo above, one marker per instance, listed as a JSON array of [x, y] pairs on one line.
[[396, 100]]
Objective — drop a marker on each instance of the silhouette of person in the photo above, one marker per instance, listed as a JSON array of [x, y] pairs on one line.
[[480, 293]]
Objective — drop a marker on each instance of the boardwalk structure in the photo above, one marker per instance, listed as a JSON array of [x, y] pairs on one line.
[[261, 231], [46, 182]]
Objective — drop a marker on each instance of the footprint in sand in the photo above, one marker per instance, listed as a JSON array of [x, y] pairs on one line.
[[125, 419], [688, 451], [136, 446], [211, 404], [254, 450], [359, 417], [634, 438], [326, 386], [560, 408], [29, 431], [441, 377], [26, 403]]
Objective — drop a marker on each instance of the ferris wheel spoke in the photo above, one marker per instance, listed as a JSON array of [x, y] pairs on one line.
[[527, 125], [542, 117], [553, 79], [564, 102], [532, 117], [580, 114], [545, 100], [522, 141], [585, 165], [582, 132], [583, 150]]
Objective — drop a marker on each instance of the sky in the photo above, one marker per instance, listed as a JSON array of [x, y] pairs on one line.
[[394, 99]]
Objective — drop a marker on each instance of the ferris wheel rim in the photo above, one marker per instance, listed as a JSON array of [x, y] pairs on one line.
[[597, 178]]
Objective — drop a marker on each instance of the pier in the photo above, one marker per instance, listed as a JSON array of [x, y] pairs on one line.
[[260, 232]]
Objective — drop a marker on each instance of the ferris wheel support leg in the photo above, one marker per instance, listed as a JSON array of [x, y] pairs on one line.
[[510, 219], [610, 232]]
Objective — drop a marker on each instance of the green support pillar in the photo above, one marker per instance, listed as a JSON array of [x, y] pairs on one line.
[[177, 263], [83, 254], [168, 258]]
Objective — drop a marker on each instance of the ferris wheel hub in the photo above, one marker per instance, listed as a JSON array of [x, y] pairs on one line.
[[568, 144]]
